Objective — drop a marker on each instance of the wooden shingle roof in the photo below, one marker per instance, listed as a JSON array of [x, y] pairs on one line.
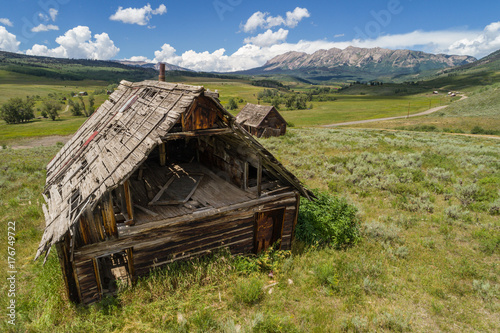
[[254, 114], [114, 142]]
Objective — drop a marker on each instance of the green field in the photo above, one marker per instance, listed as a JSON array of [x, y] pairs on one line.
[[427, 260], [17, 133], [21, 85], [346, 108], [352, 108], [480, 110]]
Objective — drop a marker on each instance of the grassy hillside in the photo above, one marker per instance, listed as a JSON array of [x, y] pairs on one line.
[[22, 75], [483, 72], [478, 114], [355, 107], [480, 110], [19, 85], [72, 69], [427, 261]]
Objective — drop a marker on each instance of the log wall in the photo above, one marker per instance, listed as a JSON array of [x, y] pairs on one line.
[[219, 157], [64, 254], [156, 244]]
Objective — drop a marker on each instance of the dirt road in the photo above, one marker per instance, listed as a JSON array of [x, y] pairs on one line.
[[391, 118], [41, 141]]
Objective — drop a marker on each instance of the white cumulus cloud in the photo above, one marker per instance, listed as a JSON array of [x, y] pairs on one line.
[[6, 21], [293, 18], [140, 16], [43, 27], [261, 48], [8, 41], [246, 57], [266, 21], [52, 15], [77, 43], [483, 43], [198, 61], [268, 38]]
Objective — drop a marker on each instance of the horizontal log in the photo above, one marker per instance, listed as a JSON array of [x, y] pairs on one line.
[[203, 132], [197, 215], [166, 234], [140, 233], [193, 239], [145, 251]]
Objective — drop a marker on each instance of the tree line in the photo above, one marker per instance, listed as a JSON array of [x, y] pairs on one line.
[[291, 100], [21, 110]]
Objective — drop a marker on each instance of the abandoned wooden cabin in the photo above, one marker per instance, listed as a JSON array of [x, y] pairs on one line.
[[160, 172], [261, 120]]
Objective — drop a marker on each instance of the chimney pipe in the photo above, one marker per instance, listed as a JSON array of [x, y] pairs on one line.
[[161, 77]]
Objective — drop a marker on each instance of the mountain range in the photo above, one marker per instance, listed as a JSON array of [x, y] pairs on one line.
[[353, 63]]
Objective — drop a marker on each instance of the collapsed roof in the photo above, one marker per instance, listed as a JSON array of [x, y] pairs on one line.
[[114, 142]]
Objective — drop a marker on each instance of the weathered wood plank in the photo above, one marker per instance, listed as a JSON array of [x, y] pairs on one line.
[[139, 233]]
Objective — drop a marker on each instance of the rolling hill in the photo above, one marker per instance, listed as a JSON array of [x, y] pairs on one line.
[[483, 72], [72, 69]]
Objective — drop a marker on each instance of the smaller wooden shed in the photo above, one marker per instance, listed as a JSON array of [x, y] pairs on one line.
[[261, 120]]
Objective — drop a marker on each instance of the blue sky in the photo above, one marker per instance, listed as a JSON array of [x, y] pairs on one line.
[[226, 35]]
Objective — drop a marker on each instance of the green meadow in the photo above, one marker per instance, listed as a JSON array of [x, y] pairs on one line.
[[22, 85], [346, 107], [481, 110], [360, 107], [427, 260]]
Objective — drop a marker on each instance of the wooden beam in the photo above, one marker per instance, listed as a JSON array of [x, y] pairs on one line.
[[97, 277], [131, 268], [296, 217], [177, 202], [62, 248], [204, 132], [128, 202], [134, 235], [159, 194], [163, 155], [108, 215], [259, 177], [145, 210], [245, 176]]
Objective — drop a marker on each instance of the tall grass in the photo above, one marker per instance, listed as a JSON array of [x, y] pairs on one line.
[[425, 261]]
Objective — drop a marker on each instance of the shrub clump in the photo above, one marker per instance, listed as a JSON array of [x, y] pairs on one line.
[[466, 193], [382, 232], [328, 220], [494, 207]]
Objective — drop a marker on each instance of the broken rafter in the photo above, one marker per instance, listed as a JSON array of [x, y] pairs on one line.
[[205, 132]]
